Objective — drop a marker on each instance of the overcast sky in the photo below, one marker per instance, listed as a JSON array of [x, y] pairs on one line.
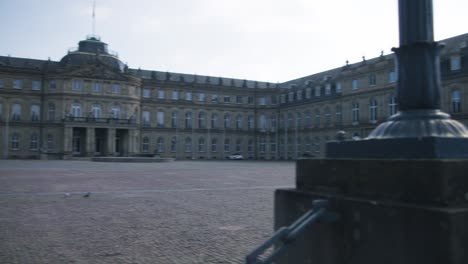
[[264, 40]]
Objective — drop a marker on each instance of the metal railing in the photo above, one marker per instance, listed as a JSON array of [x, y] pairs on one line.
[[287, 235]]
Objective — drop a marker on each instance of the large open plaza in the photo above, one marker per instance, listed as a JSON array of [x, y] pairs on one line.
[[177, 212]]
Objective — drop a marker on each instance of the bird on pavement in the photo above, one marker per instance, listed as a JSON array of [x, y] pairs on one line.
[[87, 195]]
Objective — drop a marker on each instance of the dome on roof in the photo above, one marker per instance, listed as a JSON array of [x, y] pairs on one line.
[[89, 51]]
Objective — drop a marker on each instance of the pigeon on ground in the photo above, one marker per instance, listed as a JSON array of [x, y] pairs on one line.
[[66, 195], [87, 195]]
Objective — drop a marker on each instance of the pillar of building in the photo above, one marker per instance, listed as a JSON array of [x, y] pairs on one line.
[[110, 142], [90, 141], [67, 142], [132, 142], [402, 193]]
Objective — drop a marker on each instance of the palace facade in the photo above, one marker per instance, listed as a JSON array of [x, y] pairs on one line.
[[90, 104]]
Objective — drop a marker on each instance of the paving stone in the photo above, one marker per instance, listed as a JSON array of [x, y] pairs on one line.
[[179, 212]]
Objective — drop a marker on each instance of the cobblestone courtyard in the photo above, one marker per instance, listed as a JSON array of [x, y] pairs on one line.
[[179, 212]]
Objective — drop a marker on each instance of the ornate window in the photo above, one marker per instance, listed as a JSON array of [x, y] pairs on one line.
[[188, 120], [174, 119], [36, 85], [15, 141], [214, 145], [15, 112], [50, 142], [373, 111], [227, 120], [160, 147], [338, 115], [317, 118], [250, 122], [35, 112], [239, 145], [160, 118], [145, 144], [455, 101], [97, 87], [355, 113], [201, 145], [34, 143], [201, 120], [239, 122], [174, 144], [227, 145], [214, 120], [76, 110], [188, 144], [96, 111], [145, 118]]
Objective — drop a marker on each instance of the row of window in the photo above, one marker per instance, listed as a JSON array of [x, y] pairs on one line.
[[160, 146], [202, 97], [19, 84], [15, 142]]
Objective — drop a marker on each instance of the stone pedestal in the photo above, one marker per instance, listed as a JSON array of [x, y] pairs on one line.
[[391, 211]]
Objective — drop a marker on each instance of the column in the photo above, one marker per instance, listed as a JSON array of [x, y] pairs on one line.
[[110, 142], [90, 141], [67, 142]]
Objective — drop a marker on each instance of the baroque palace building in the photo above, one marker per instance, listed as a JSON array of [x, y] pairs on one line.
[[90, 104]]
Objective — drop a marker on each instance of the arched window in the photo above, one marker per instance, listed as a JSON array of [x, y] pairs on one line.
[[239, 122], [160, 147], [373, 111], [145, 144], [355, 113], [201, 120], [51, 112], [262, 122], [34, 143], [307, 119], [273, 121], [327, 117], [227, 121], [239, 145], [262, 144], [35, 112], [290, 121], [174, 144], [96, 111], [50, 141], [298, 120], [455, 101], [214, 120], [188, 120], [227, 145], [188, 144], [250, 146], [115, 112], [250, 122], [15, 112], [214, 145], [338, 115], [15, 141], [317, 118], [174, 119], [201, 145], [160, 118]]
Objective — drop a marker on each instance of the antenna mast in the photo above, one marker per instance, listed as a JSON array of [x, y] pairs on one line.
[[94, 18]]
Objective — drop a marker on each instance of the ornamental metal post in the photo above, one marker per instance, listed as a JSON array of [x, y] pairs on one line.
[[418, 89]]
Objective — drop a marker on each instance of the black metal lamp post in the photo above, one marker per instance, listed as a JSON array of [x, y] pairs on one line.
[[419, 130], [418, 90]]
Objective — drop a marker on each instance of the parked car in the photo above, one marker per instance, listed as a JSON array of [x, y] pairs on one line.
[[236, 157]]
